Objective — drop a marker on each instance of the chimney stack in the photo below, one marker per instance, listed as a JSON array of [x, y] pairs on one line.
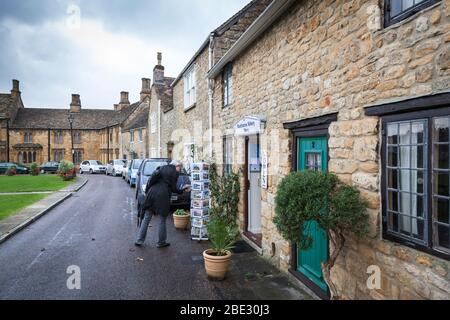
[[15, 92], [146, 88], [75, 106], [124, 102], [158, 71]]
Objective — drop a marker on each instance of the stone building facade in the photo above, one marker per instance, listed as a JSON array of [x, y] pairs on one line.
[[192, 97], [44, 134], [352, 74]]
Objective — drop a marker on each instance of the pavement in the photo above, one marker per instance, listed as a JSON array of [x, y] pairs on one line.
[[16, 222], [94, 231]]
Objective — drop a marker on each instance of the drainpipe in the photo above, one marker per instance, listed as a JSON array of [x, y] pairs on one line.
[[211, 93], [48, 146], [7, 140], [159, 128]]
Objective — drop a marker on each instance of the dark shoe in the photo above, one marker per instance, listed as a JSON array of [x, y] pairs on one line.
[[138, 244], [162, 245]]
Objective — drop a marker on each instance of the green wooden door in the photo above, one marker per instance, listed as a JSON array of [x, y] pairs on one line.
[[313, 155]]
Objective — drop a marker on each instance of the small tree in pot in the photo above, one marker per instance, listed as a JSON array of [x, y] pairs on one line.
[[34, 169], [222, 236], [222, 227], [320, 196]]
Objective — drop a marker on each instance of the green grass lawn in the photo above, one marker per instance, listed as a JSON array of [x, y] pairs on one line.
[[27, 183], [10, 205]]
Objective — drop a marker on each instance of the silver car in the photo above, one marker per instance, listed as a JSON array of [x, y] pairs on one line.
[[92, 166], [115, 167]]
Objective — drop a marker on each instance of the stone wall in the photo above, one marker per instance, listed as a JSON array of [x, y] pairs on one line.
[[333, 56]]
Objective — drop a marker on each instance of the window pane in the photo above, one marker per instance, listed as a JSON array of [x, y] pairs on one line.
[[418, 206], [393, 222], [405, 203], [417, 157], [393, 156], [396, 7], [405, 225], [417, 133], [393, 201], [405, 133], [441, 207], [405, 157], [417, 228], [406, 4], [443, 236], [405, 180], [392, 179], [441, 160], [419, 182], [441, 130], [441, 181], [393, 134]]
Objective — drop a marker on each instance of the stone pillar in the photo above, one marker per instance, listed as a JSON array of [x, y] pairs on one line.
[[158, 71]]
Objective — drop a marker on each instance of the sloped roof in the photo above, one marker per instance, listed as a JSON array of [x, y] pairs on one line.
[[139, 121], [5, 102]]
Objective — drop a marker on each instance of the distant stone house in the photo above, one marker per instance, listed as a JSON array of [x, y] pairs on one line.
[[43, 134], [134, 130], [359, 88]]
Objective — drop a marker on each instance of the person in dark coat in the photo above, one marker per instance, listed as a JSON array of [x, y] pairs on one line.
[[159, 189]]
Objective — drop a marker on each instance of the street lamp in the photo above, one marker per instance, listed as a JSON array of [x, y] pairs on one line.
[[71, 118]]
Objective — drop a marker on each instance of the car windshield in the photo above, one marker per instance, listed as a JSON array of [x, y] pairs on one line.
[[137, 164], [119, 162], [151, 166], [98, 163]]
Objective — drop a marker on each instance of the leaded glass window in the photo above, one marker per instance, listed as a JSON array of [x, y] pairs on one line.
[[397, 10], [407, 179]]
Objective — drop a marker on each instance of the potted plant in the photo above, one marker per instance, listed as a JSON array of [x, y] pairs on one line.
[[223, 237], [337, 208], [181, 219], [66, 170]]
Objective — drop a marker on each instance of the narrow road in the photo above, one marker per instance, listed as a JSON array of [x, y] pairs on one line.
[[95, 229]]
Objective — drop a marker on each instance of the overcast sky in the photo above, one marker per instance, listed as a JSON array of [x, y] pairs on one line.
[[113, 44]]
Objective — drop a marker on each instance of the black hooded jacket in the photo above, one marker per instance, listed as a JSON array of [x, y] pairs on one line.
[[159, 189]]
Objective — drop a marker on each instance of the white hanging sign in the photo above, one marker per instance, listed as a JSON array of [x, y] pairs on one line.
[[248, 126]]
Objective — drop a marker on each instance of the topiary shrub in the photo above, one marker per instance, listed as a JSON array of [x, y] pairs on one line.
[[34, 169], [12, 171], [66, 170], [320, 196], [225, 191]]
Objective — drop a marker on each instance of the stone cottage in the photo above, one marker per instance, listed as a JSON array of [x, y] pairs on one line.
[[134, 140], [192, 94], [359, 88], [161, 118]]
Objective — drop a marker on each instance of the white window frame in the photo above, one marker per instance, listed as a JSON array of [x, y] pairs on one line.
[[190, 87]]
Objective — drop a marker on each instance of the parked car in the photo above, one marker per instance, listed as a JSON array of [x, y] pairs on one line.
[[115, 167], [145, 171], [182, 200], [92, 166], [20, 168], [49, 167], [131, 175], [125, 169]]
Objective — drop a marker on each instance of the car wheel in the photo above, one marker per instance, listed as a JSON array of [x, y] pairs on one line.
[[42, 172], [90, 171], [81, 171], [114, 173]]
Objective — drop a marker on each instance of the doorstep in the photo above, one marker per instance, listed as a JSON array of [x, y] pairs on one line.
[[252, 244]]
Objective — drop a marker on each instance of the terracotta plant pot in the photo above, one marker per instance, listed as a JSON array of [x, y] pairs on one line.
[[216, 266], [181, 222]]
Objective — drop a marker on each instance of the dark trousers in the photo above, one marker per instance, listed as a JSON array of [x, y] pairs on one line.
[[162, 232]]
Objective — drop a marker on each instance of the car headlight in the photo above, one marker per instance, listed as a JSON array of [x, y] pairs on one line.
[[143, 187]]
